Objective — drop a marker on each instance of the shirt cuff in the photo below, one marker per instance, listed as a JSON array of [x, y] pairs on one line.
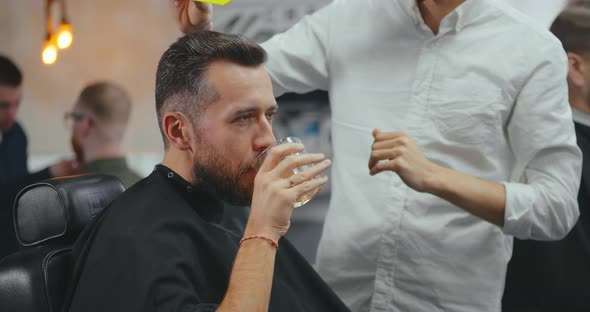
[[518, 213]]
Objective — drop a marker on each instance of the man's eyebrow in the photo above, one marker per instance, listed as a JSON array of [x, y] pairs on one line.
[[254, 109], [245, 110]]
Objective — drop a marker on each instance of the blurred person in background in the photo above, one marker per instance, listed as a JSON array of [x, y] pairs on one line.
[[98, 122], [14, 172]]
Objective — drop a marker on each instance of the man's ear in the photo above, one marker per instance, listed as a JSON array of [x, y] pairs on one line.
[[178, 130], [85, 126], [577, 70]]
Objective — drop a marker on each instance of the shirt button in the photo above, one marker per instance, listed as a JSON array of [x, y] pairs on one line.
[[189, 189], [170, 174]]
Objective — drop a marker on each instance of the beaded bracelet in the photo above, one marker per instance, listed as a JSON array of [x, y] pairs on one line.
[[266, 238]]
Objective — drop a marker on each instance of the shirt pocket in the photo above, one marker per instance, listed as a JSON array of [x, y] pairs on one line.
[[467, 112]]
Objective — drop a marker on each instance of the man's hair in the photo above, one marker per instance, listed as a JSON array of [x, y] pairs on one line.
[[572, 28], [181, 83], [10, 75], [109, 105]]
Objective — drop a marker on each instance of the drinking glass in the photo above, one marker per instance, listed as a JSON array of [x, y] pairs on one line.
[[305, 198]]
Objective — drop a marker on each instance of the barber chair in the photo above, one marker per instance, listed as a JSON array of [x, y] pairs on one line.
[[48, 217]]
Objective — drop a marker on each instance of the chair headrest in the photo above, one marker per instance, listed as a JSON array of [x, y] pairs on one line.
[[58, 209]]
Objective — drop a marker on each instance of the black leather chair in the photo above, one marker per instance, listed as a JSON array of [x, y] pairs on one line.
[[48, 217]]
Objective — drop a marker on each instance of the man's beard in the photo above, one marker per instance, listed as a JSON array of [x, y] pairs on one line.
[[77, 147], [214, 176]]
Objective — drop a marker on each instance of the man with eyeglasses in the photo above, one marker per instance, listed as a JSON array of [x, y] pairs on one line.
[[14, 173], [97, 122]]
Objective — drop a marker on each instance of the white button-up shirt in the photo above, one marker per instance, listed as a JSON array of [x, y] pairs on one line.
[[487, 96]]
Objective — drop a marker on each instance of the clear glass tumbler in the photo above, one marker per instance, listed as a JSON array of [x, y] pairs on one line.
[[305, 198]]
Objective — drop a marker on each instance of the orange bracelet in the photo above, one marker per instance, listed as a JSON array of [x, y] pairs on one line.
[[266, 238]]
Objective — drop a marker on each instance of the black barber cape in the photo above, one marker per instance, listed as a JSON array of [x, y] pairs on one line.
[[555, 276], [159, 247]]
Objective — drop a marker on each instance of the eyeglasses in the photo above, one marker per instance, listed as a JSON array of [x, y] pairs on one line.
[[71, 117], [6, 105]]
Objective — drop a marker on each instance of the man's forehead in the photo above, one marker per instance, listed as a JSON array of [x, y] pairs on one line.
[[237, 85], [10, 92], [7, 88], [242, 105]]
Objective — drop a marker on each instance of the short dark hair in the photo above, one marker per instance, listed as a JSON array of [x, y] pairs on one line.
[[181, 76], [572, 28], [107, 101], [10, 75]]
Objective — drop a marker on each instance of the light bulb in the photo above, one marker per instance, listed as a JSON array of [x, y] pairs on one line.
[[64, 35], [49, 54]]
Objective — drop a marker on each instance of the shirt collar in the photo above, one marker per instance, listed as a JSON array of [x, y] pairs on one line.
[[411, 8], [463, 15], [581, 117], [208, 207]]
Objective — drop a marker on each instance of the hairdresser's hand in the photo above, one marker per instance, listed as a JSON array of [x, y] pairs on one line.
[[276, 189], [192, 16], [398, 152]]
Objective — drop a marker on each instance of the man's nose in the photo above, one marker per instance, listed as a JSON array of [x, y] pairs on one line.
[[265, 137], [12, 110]]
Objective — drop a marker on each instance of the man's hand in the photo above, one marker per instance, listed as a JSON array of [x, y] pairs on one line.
[[276, 189], [64, 168], [192, 16], [398, 152]]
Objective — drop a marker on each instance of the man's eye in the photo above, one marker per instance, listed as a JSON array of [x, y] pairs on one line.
[[244, 118], [271, 115]]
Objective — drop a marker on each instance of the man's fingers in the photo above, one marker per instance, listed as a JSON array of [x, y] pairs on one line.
[[382, 136], [192, 16], [402, 140], [309, 173], [309, 185], [287, 165], [204, 7], [388, 144], [277, 152], [385, 154], [200, 14], [385, 165]]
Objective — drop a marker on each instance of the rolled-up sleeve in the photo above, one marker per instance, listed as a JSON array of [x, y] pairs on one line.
[[297, 59], [541, 199]]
